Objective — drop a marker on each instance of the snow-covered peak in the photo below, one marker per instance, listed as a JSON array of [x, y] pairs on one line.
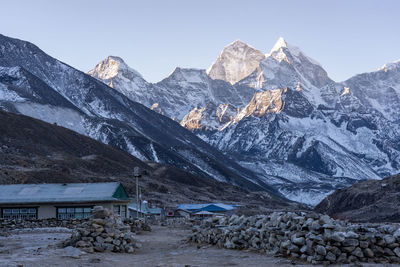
[[279, 44], [284, 51], [236, 43], [110, 68], [114, 72], [187, 75], [236, 61], [390, 66]]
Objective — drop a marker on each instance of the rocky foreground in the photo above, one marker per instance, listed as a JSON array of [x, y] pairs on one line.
[[309, 237]]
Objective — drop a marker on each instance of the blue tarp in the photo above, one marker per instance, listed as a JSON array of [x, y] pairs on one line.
[[212, 207]]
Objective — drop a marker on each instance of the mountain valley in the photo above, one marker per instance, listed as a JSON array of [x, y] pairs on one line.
[[273, 122]]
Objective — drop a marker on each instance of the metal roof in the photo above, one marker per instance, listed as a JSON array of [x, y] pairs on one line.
[[144, 209], [59, 193], [204, 212], [198, 207]]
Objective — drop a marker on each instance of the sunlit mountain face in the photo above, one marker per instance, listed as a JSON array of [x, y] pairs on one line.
[[279, 114]]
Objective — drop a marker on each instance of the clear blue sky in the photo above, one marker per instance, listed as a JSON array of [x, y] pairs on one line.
[[153, 37]]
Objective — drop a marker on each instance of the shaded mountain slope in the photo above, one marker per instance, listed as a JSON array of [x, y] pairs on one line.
[[367, 201], [33, 151]]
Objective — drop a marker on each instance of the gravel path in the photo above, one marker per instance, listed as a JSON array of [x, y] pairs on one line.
[[161, 247]]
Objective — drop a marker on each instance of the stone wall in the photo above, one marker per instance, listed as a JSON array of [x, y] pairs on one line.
[[9, 225], [308, 237]]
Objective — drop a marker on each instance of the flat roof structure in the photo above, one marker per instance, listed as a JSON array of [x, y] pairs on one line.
[[62, 193], [61, 201]]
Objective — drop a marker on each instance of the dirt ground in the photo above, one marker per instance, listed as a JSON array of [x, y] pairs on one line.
[[162, 247]]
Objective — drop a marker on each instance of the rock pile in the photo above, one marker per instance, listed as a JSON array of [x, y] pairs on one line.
[[311, 237], [103, 232]]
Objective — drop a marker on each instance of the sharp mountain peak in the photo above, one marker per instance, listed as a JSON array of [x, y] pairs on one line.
[[236, 61], [110, 67], [279, 44]]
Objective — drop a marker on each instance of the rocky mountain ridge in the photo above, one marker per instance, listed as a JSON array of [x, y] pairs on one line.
[[37, 85], [367, 201], [303, 133]]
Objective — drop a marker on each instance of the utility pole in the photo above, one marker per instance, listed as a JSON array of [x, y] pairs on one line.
[[140, 201], [136, 174]]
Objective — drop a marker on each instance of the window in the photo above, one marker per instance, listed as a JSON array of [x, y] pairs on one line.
[[66, 213], [124, 211], [117, 210], [19, 213]]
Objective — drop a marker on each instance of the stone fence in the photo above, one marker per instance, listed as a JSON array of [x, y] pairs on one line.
[[9, 225], [307, 237]]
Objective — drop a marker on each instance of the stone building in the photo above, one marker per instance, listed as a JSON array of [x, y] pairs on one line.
[[61, 201]]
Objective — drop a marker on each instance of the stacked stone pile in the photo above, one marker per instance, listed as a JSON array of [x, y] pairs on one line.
[[103, 232], [310, 237]]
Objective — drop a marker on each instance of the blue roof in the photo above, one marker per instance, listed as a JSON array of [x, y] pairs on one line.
[[206, 207], [58, 193]]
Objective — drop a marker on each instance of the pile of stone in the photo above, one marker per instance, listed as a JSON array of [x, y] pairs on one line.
[[103, 232], [310, 237]]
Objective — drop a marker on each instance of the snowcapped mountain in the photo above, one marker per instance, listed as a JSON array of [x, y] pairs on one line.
[[309, 152], [237, 61], [309, 135], [288, 66], [379, 90], [280, 115], [114, 72], [37, 85], [177, 94]]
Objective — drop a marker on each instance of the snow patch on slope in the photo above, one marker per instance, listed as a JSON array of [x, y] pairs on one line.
[[7, 95], [133, 151], [61, 116]]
